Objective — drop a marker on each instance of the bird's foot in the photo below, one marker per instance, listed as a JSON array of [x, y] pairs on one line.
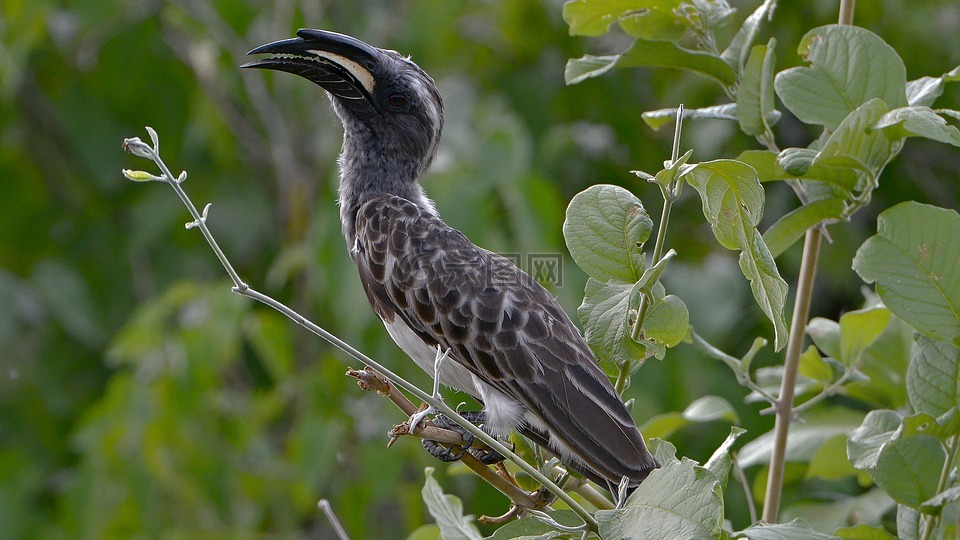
[[487, 456]]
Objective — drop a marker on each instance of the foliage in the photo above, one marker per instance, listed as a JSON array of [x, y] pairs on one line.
[[135, 401]]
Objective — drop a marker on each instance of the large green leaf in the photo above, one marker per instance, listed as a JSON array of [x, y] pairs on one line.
[[856, 143], [909, 469], [848, 67], [651, 54], [679, 500], [447, 511], [733, 204], [605, 229], [606, 324], [755, 93], [913, 260], [933, 378]]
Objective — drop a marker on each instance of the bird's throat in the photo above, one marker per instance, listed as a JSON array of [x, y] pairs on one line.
[[367, 170]]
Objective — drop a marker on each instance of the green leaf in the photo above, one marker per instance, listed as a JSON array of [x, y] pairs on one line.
[[663, 451], [769, 168], [755, 94], [662, 117], [826, 335], [917, 121], [533, 528], [656, 20], [925, 90], [862, 531], [794, 530], [938, 501], [796, 161], [805, 439], [830, 461], [651, 54], [933, 378], [848, 67], [855, 143], [735, 55], [878, 428], [813, 366], [909, 469], [908, 522], [447, 511], [705, 409], [719, 463], [913, 260], [594, 17], [667, 322], [859, 329], [710, 409], [733, 204], [606, 325], [791, 227], [426, 532], [679, 500], [942, 427], [605, 229], [663, 425]]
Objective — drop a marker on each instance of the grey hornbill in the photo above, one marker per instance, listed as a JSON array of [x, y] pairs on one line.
[[512, 347]]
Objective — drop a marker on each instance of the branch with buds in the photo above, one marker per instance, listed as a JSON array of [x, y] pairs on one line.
[[378, 378]]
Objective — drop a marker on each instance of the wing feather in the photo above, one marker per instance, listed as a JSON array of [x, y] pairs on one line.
[[501, 326]]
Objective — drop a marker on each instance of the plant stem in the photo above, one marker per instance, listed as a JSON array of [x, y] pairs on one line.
[[931, 521], [670, 194], [846, 11], [324, 506], [801, 311], [784, 404], [139, 148]]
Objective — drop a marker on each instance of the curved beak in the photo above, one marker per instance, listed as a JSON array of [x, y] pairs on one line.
[[342, 65]]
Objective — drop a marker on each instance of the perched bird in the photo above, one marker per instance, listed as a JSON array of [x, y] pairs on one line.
[[509, 343]]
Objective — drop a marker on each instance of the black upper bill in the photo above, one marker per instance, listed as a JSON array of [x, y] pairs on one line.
[[342, 65]]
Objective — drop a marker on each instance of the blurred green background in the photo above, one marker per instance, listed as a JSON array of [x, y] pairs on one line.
[[140, 398]]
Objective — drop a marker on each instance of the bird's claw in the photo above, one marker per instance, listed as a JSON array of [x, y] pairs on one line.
[[486, 456]]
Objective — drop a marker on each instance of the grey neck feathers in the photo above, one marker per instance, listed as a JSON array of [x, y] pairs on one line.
[[369, 168]]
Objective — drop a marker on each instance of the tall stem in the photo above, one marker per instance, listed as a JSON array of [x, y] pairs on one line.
[[791, 364], [784, 405]]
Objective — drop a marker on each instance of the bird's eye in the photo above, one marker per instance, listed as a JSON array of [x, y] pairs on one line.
[[397, 100]]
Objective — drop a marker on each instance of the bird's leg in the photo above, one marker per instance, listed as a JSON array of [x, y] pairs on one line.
[[418, 417]]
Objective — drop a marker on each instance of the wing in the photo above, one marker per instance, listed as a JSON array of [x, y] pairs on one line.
[[500, 325]]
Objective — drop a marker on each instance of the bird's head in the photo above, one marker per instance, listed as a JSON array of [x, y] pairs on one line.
[[391, 111]]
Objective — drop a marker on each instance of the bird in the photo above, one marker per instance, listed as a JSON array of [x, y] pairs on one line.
[[507, 341]]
